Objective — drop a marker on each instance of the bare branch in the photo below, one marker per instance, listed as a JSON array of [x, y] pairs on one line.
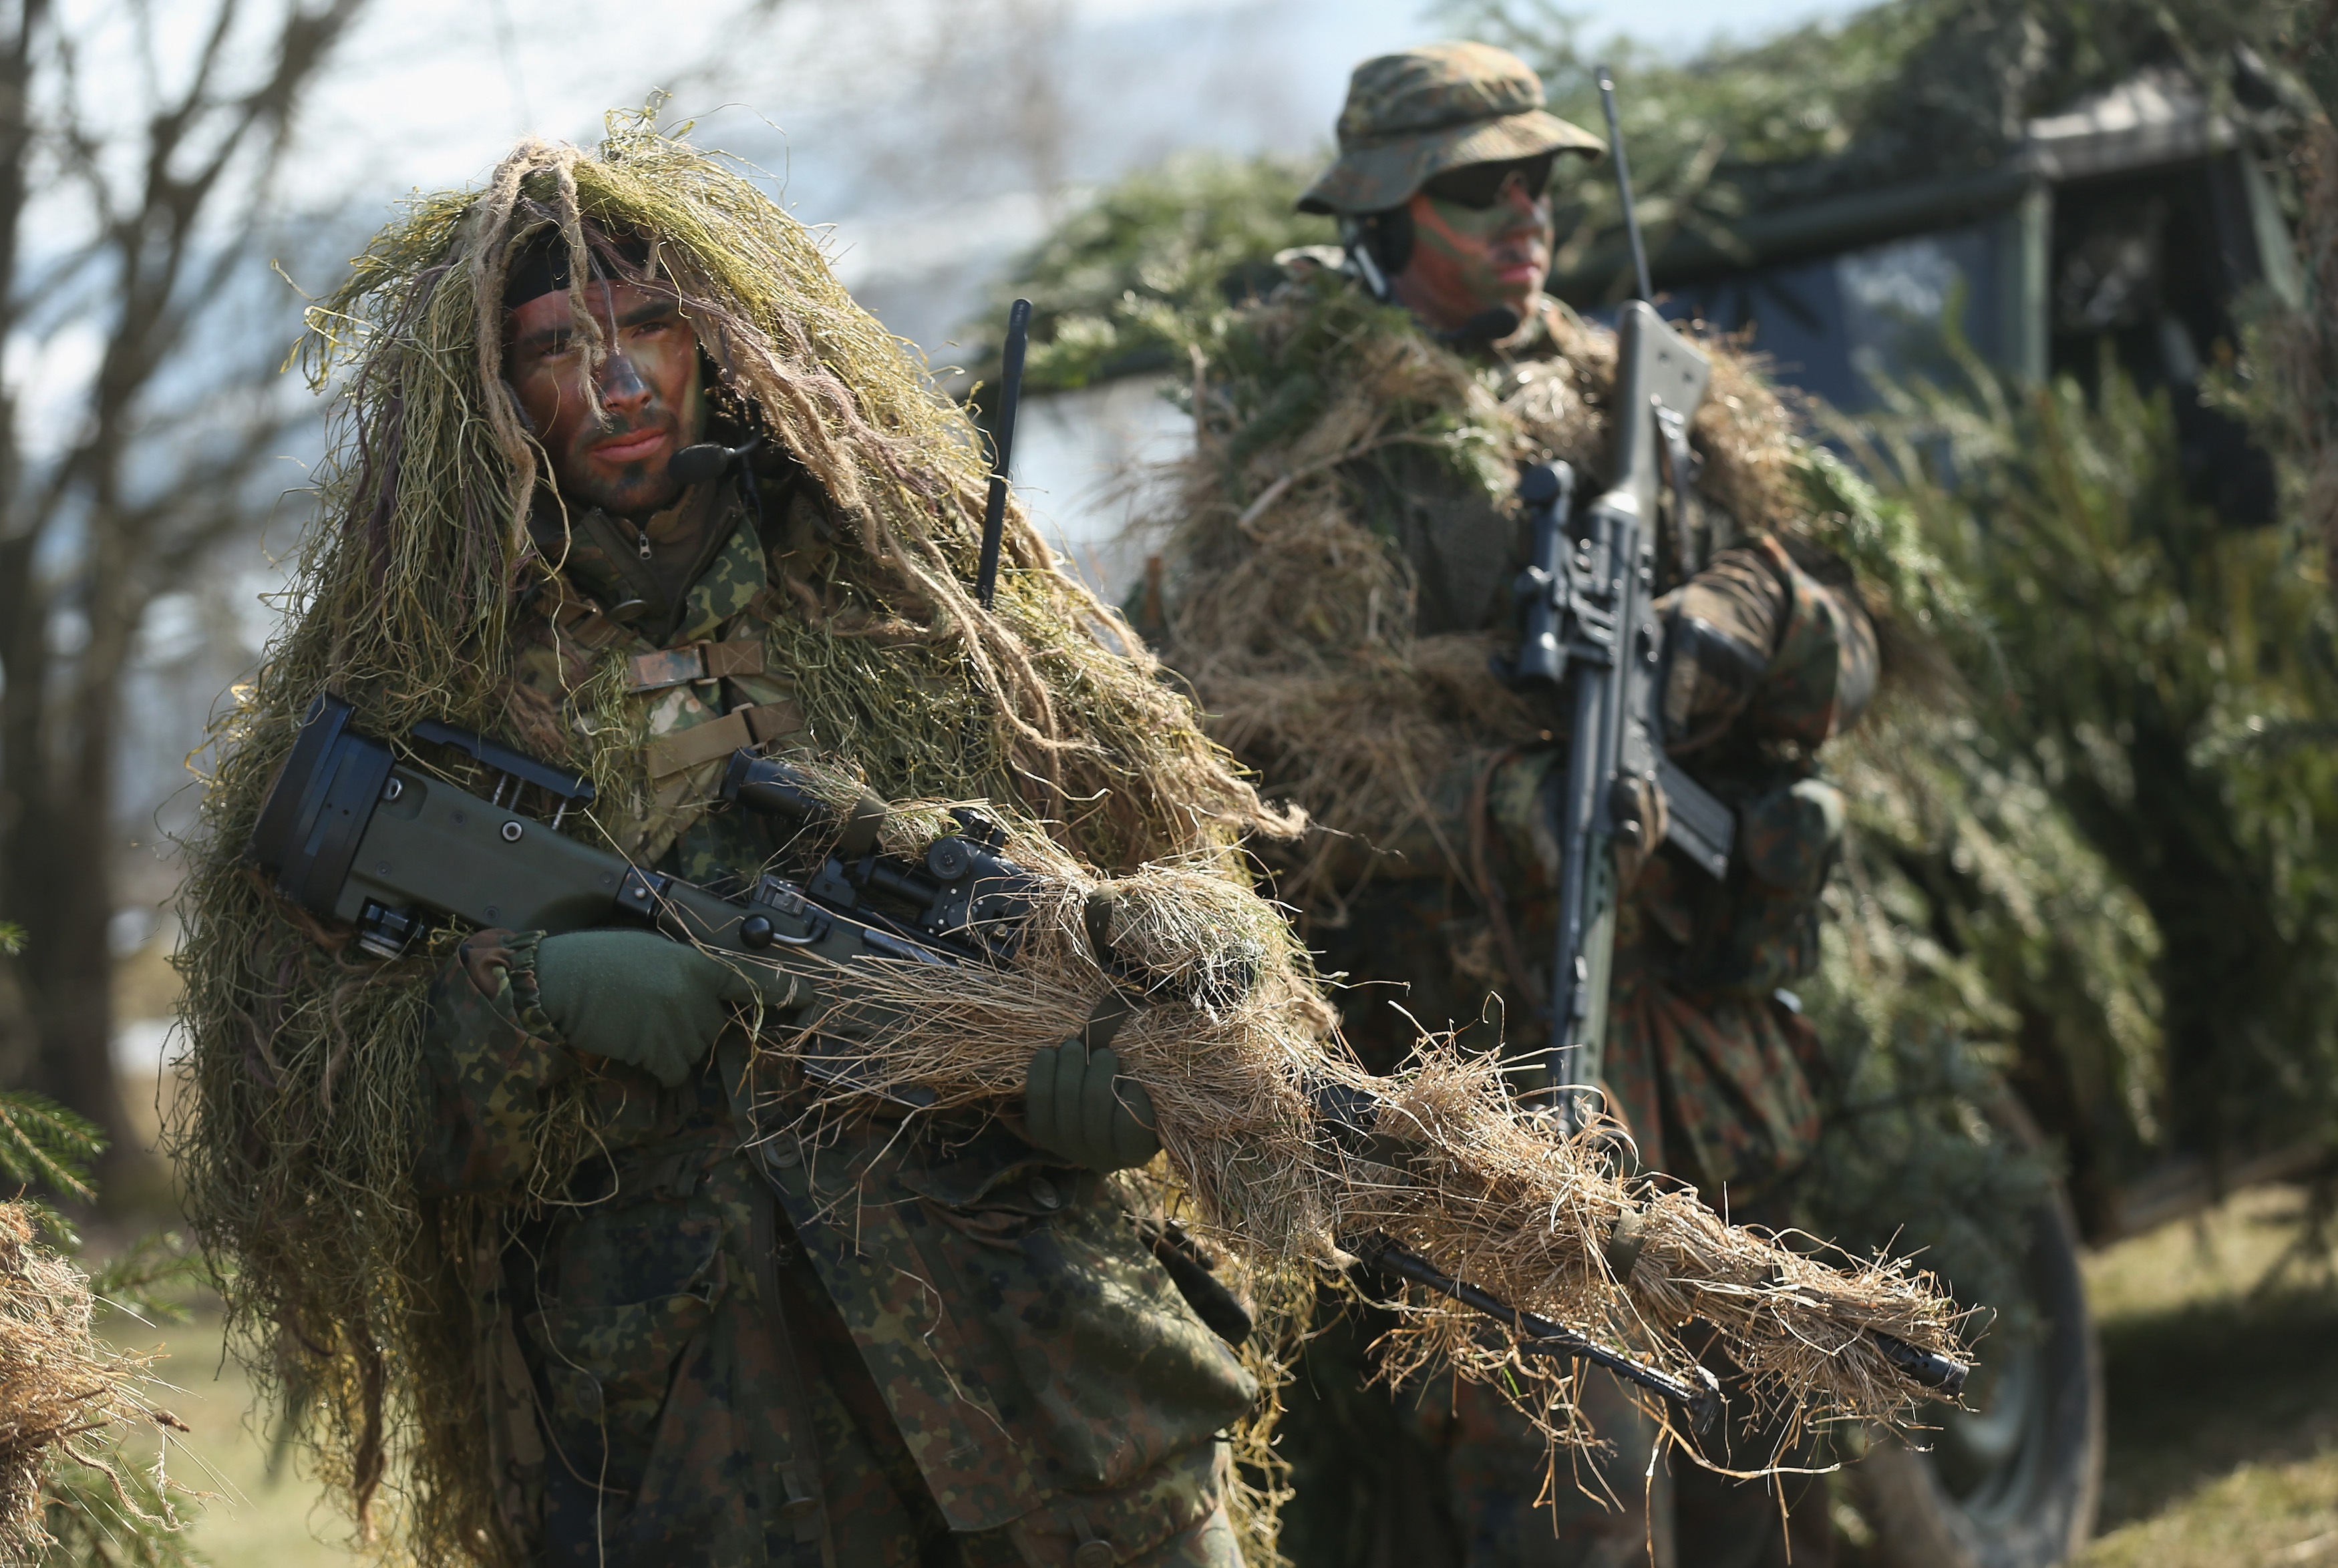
[[168, 200]]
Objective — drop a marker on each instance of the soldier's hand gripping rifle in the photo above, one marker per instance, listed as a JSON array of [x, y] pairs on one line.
[[355, 834]]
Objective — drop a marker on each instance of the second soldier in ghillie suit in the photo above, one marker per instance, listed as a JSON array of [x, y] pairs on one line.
[[1338, 572], [496, 1217]]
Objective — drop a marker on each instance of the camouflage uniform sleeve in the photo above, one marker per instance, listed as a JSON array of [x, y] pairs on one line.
[[1762, 646], [490, 1054]]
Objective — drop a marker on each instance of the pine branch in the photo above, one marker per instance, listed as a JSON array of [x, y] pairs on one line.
[[149, 1280], [42, 1142]]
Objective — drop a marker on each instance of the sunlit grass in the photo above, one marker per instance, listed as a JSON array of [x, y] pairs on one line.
[[2223, 1394], [242, 1518], [2269, 1514]]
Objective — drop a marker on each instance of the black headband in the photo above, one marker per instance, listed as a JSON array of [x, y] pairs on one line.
[[541, 267]]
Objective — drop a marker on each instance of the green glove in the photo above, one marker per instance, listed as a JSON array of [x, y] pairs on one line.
[[1076, 1104], [639, 999]]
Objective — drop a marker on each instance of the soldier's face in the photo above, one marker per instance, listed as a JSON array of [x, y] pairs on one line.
[[652, 405], [1469, 259]]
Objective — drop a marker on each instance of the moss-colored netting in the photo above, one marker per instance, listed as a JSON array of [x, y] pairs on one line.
[[299, 1142]]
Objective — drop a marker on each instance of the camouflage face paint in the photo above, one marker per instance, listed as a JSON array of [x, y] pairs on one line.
[[651, 403], [1469, 259]]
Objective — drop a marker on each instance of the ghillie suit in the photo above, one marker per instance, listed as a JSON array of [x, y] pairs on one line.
[[325, 1077], [1339, 566], [1336, 577], [737, 1319]]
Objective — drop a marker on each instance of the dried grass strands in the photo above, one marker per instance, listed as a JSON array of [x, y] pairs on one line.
[[1229, 1049], [59, 1384], [1494, 1200]]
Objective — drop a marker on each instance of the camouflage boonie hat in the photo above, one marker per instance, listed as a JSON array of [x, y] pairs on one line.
[[1412, 116]]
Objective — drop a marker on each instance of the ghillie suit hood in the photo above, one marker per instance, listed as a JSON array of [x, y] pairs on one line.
[[296, 1144], [1293, 617]]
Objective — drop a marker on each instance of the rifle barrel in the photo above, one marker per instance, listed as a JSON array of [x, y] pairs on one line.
[[1700, 1402]]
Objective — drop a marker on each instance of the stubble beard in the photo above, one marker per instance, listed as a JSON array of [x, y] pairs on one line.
[[633, 489]]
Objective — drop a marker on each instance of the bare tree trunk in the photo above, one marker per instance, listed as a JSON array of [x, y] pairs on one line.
[[24, 621], [59, 888], [90, 537]]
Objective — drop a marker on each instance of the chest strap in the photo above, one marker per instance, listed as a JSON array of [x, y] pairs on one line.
[[695, 662], [684, 750]]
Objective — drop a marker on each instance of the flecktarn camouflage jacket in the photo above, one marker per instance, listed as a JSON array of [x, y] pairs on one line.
[[716, 1346]]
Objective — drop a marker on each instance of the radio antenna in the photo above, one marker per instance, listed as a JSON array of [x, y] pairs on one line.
[[1624, 184], [1010, 393]]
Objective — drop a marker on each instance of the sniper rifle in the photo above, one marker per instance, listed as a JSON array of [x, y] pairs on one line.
[[355, 833]]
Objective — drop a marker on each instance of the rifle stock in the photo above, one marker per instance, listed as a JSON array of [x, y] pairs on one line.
[[354, 834]]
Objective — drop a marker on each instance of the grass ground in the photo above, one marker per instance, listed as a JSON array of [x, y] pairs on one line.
[[2222, 1375], [246, 1517], [2222, 1372]]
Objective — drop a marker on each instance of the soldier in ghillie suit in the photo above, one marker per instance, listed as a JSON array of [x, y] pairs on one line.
[[501, 1217], [1338, 573]]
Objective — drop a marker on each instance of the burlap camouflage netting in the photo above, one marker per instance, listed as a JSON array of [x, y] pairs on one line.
[[351, 1295]]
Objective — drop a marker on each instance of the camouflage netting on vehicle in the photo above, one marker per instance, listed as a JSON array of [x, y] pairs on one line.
[[1295, 619], [348, 1292], [2294, 343], [1722, 140], [60, 1387]]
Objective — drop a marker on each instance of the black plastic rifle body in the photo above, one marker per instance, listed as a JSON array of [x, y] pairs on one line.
[[354, 834], [1590, 640]]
